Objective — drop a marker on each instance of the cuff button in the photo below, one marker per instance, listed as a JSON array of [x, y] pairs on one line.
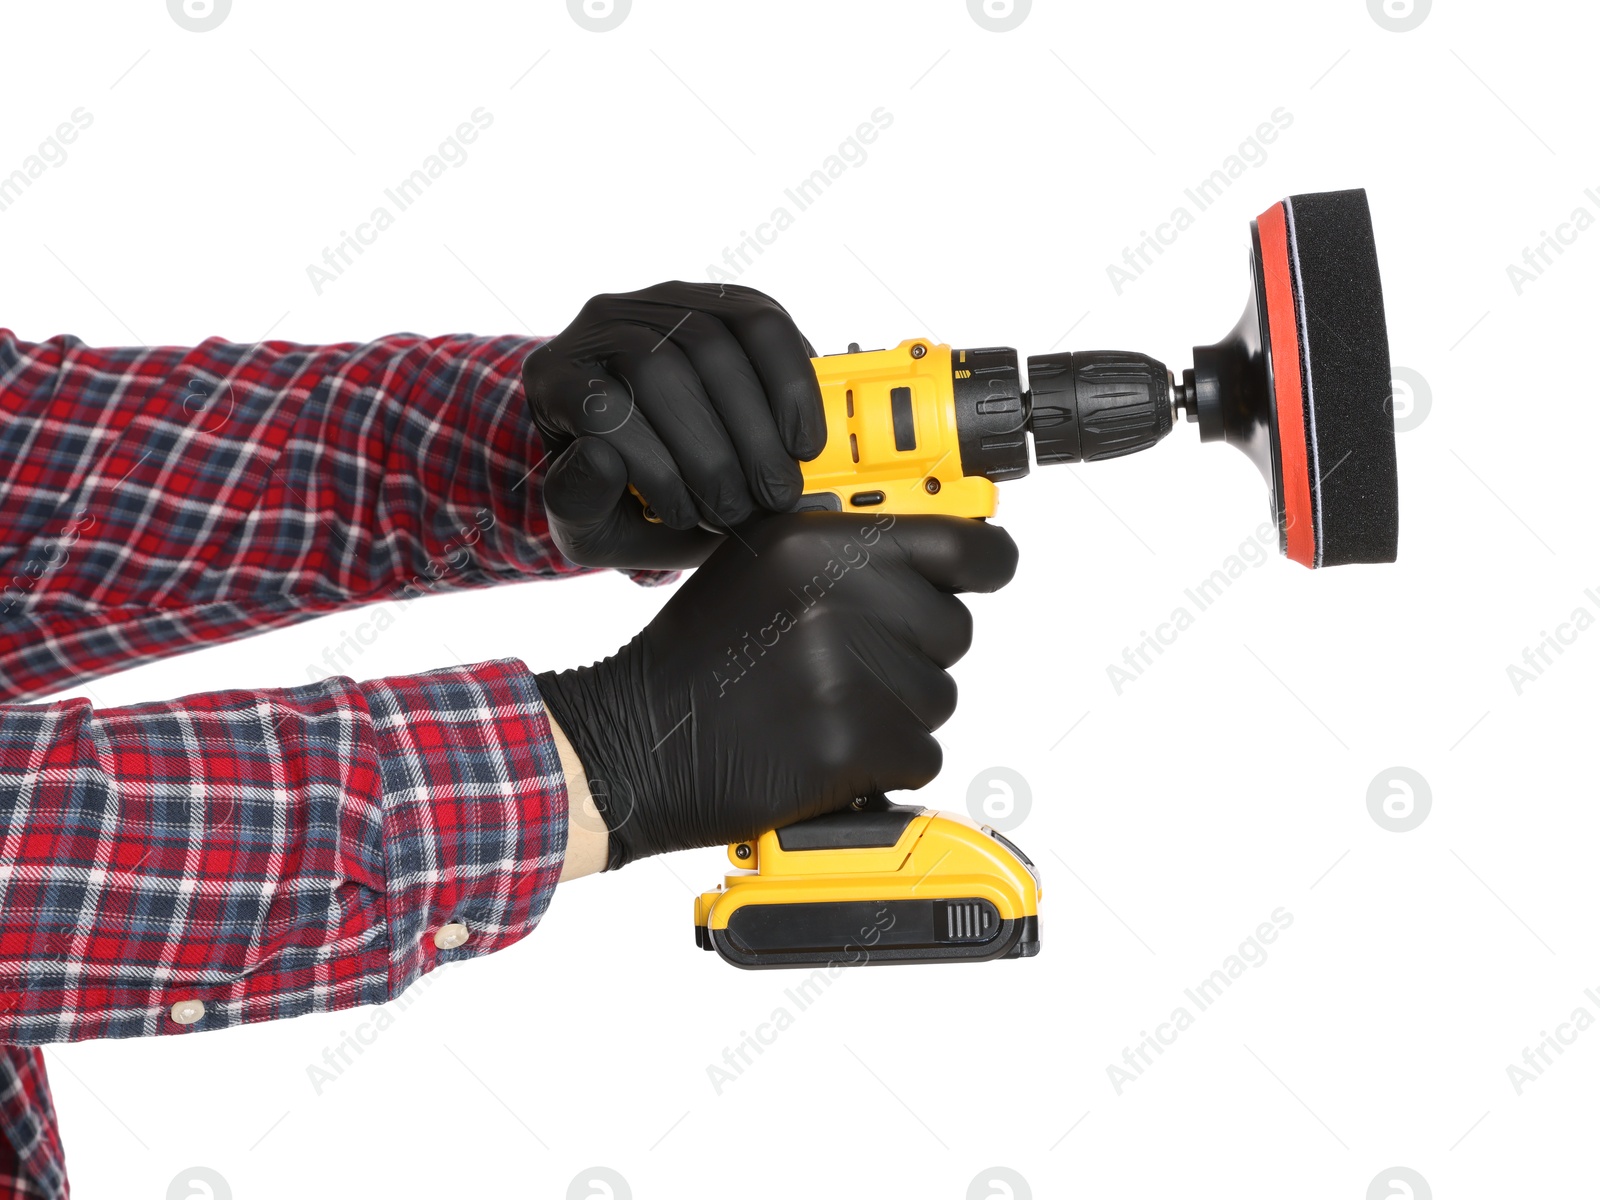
[[187, 1012], [452, 935]]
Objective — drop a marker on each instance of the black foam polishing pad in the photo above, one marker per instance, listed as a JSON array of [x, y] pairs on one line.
[[1330, 380]]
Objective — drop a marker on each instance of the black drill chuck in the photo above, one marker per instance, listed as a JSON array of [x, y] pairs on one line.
[[1081, 407], [1097, 404]]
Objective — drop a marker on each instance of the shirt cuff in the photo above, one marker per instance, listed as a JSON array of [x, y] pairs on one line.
[[475, 812]]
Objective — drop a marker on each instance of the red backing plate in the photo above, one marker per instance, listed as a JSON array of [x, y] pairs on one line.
[[1283, 330]]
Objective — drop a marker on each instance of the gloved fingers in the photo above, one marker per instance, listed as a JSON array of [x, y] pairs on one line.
[[596, 521], [669, 392], [957, 554], [782, 359], [912, 760], [921, 688], [741, 402], [775, 347], [557, 390], [851, 757], [904, 569], [920, 761], [920, 615], [610, 411], [578, 397], [750, 367]]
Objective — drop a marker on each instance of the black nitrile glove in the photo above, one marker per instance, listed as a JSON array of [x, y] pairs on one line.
[[700, 395], [800, 667]]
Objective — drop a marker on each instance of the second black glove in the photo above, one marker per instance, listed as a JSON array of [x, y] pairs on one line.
[[802, 666]]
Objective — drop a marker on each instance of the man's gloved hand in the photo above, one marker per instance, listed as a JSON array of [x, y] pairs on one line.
[[800, 667], [700, 395]]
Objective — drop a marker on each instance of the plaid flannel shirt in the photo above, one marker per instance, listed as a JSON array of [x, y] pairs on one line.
[[245, 855]]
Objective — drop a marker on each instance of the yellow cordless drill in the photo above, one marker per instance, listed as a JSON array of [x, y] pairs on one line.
[[1301, 385]]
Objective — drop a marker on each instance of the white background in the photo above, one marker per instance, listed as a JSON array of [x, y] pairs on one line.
[[1229, 780]]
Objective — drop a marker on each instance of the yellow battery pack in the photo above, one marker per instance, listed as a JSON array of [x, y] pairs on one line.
[[885, 883]]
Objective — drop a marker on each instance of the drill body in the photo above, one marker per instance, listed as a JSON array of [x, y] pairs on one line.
[[923, 428]]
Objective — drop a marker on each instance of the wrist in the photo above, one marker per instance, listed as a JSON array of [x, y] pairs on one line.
[[588, 840], [600, 711]]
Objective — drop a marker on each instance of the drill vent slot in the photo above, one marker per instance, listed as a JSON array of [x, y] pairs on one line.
[[905, 426], [969, 921]]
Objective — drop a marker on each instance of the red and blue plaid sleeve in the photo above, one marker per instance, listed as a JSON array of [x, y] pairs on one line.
[[247, 855], [157, 499]]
